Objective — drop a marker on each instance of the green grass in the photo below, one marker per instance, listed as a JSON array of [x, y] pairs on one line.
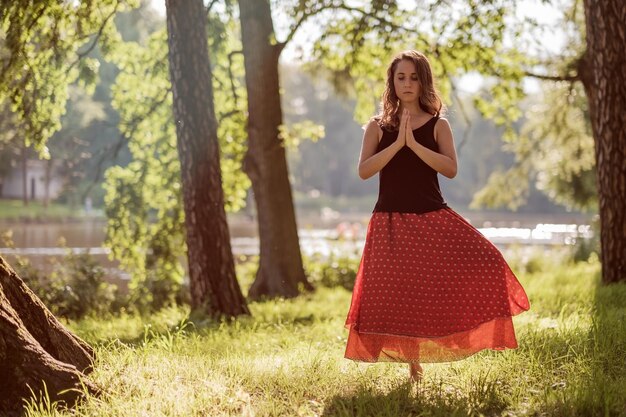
[[287, 360], [15, 210]]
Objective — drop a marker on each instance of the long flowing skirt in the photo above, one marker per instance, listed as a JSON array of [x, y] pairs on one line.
[[430, 288]]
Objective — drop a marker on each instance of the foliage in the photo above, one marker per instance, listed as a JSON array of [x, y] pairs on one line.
[[357, 45], [585, 249], [42, 47], [292, 135], [69, 148], [489, 39], [10, 143], [336, 271], [72, 287], [555, 149], [77, 288], [145, 229]]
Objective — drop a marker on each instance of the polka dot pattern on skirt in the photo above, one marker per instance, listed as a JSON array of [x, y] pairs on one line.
[[430, 288]]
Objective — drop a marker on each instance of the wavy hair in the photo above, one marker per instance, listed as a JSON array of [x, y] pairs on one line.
[[429, 99]]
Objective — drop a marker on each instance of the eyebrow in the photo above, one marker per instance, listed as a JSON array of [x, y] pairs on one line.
[[413, 73]]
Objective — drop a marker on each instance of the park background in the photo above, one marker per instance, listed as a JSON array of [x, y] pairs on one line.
[[92, 214]]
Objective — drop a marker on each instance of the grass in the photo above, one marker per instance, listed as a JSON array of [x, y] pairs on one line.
[[287, 360], [15, 210]]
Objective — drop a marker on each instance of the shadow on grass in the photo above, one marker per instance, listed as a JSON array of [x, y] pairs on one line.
[[435, 399], [589, 368], [603, 390], [197, 323]]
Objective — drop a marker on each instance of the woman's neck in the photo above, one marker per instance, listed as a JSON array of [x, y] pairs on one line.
[[414, 109]]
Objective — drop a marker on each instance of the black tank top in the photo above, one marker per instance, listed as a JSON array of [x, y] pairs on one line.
[[407, 184]]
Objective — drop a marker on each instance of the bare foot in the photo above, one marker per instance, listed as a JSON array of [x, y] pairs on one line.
[[416, 372]]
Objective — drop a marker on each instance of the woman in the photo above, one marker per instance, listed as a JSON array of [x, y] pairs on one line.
[[430, 287]]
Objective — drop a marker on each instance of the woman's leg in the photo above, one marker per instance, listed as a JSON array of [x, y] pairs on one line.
[[415, 371]]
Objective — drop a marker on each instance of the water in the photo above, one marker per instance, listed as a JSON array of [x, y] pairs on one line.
[[339, 236]]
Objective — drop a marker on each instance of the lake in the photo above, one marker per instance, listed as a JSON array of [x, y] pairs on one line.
[[324, 234]]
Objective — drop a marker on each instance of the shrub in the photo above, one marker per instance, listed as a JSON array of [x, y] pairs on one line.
[[73, 288], [337, 271]]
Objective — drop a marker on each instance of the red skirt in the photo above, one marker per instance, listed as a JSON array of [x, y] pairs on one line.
[[430, 288]]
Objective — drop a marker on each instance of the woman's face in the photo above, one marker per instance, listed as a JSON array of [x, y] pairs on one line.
[[405, 82]]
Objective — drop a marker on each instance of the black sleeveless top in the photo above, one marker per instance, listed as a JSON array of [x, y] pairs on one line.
[[407, 184]]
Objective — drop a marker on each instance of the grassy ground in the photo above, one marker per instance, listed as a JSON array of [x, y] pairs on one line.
[[15, 210], [287, 360]]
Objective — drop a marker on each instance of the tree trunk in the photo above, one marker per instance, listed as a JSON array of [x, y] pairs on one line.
[[280, 271], [603, 75], [36, 349], [213, 283]]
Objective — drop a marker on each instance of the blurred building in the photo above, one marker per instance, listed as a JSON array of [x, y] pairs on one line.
[[11, 185]]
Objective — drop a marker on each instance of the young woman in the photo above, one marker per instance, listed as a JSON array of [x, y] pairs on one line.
[[430, 287]]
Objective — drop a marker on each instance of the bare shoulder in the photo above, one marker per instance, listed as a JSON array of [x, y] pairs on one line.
[[442, 127], [442, 124], [373, 128]]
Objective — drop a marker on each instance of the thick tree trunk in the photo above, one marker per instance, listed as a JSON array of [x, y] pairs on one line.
[[36, 349], [213, 283], [280, 271], [604, 76], [53, 337]]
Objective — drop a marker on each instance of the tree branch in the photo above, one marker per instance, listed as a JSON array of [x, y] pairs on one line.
[[209, 7], [305, 15], [81, 55], [575, 77], [124, 136], [231, 76]]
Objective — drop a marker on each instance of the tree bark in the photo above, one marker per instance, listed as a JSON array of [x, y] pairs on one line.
[[36, 349], [44, 327], [280, 270], [213, 283], [604, 78]]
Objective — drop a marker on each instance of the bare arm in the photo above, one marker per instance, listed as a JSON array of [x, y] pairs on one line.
[[443, 161], [371, 162]]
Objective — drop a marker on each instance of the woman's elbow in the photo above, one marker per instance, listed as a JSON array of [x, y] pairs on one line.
[[363, 174], [451, 173]]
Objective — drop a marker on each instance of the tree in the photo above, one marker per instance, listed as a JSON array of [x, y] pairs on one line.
[[43, 50], [214, 286], [144, 202], [129, 203], [355, 36], [474, 42], [594, 58], [40, 55], [36, 349], [280, 271], [603, 76], [554, 150]]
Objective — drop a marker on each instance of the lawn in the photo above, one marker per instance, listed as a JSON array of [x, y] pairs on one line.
[[287, 360], [15, 210]]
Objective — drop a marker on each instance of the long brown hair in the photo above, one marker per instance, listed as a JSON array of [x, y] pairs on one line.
[[429, 99]]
